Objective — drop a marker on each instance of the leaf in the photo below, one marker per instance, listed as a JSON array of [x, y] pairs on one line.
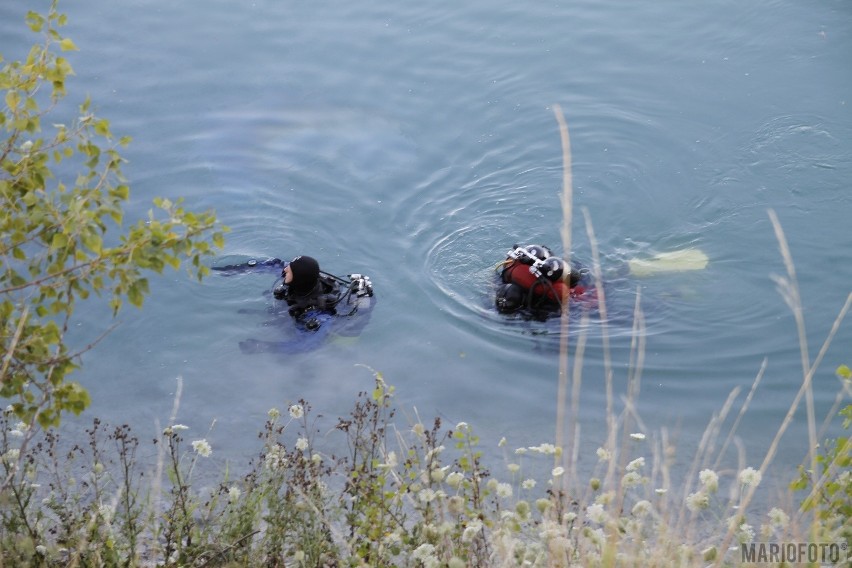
[[121, 192], [102, 128], [67, 45], [134, 294], [13, 99], [92, 240], [844, 372], [59, 241], [35, 21]]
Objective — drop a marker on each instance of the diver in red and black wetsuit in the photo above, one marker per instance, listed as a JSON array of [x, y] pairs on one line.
[[536, 281]]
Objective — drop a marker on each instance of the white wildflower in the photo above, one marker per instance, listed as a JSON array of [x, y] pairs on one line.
[[471, 531], [660, 491], [392, 537], [528, 484], [174, 429], [427, 495], [234, 494], [434, 452], [504, 490], [455, 504], [596, 513], [462, 427], [302, 444], [642, 508], [597, 537], [631, 479], [778, 518], [546, 449], [709, 479], [41, 550], [569, 517], [446, 528], [296, 411], [697, 501], [455, 479], [604, 455], [22, 426], [543, 505], [638, 463], [557, 471], [605, 498], [425, 553], [438, 474], [419, 430], [513, 467], [638, 436], [11, 455], [202, 448], [502, 442], [520, 451], [750, 476], [745, 533], [16, 433], [273, 414], [390, 461], [276, 457]]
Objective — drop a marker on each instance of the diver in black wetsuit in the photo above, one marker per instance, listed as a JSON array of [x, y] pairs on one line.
[[317, 301]]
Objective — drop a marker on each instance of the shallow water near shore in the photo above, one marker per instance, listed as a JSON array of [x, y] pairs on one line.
[[417, 143]]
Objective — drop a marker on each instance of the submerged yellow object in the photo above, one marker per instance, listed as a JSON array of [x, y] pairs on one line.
[[674, 261]]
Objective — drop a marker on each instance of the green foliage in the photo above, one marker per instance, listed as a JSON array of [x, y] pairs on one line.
[[64, 240], [830, 497]]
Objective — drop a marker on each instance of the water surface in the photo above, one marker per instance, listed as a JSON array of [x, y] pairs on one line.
[[417, 142]]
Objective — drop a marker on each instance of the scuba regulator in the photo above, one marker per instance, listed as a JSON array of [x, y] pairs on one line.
[[540, 260], [360, 285], [543, 263]]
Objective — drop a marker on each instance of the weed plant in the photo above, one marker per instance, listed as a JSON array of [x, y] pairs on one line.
[[413, 496]]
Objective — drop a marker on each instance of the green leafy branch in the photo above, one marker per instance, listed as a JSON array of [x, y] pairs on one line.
[[61, 242]]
